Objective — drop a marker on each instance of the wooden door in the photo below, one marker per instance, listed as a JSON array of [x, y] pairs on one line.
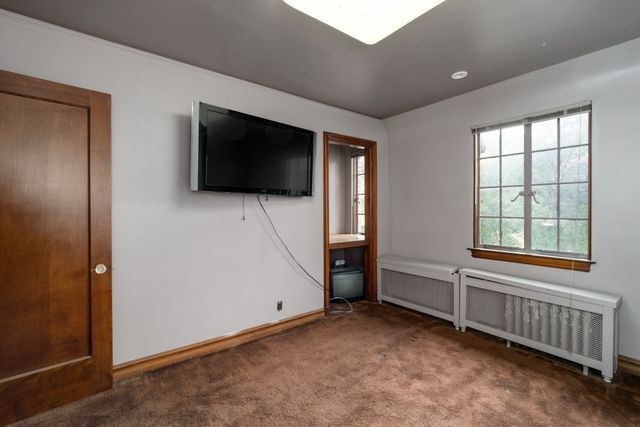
[[55, 228]]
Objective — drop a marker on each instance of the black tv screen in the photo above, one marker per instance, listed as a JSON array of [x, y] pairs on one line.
[[237, 152]]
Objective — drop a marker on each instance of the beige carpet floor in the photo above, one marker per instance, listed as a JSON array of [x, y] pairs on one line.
[[380, 366]]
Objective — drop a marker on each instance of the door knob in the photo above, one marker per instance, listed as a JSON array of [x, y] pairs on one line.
[[100, 269]]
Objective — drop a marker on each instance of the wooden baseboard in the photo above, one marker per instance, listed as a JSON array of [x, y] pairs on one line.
[[202, 348], [629, 365]]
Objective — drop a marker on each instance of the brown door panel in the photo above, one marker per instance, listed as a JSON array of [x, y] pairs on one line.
[[55, 224]]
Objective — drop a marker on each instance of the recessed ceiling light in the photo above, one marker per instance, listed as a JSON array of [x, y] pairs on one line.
[[459, 75], [366, 20]]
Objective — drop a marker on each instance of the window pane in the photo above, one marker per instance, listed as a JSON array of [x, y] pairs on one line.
[[544, 167], [574, 130], [547, 197], [544, 135], [360, 183], [360, 205], [361, 226], [489, 172], [513, 170], [544, 234], [559, 171], [574, 236], [574, 164], [510, 208], [513, 140], [513, 233], [574, 201], [490, 231], [490, 143], [360, 164], [490, 202]]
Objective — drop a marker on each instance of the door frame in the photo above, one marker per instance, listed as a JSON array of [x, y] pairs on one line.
[[371, 211], [36, 391]]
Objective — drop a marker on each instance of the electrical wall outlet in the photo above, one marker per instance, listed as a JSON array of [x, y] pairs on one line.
[[279, 306]]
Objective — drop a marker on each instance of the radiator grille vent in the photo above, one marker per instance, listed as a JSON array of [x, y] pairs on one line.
[[426, 292], [573, 330]]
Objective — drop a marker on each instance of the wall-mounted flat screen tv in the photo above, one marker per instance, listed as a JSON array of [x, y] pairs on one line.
[[236, 152]]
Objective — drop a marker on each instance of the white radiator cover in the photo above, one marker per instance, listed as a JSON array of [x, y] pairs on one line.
[[575, 324], [420, 285]]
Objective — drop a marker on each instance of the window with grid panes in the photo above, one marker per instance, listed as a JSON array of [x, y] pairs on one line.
[[532, 185], [359, 200]]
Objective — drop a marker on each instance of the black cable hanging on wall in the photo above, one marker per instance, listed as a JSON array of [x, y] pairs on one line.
[[315, 282]]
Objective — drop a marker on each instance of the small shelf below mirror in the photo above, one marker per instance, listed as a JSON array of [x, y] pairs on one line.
[[340, 241]]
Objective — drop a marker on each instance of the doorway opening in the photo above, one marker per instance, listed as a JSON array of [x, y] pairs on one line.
[[350, 218]]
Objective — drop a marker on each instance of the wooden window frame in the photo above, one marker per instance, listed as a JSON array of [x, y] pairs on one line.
[[523, 256], [355, 193]]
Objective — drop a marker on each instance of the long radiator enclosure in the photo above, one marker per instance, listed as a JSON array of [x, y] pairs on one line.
[[575, 324], [420, 285]]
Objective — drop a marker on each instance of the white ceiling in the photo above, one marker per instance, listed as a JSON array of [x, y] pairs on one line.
[[268, 42]]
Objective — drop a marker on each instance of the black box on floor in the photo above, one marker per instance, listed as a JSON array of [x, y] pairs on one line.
[[347, 282]]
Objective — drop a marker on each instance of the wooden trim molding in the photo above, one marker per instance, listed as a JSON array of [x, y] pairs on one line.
[[325, 221], [541, 260], [349, 140], [629, 365], [371, 212], [214, 345]]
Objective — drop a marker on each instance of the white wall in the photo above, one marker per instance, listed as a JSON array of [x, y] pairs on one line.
[[431, 179], [186, 268]]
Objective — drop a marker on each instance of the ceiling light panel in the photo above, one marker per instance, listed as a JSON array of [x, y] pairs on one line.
[[366, 20]]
